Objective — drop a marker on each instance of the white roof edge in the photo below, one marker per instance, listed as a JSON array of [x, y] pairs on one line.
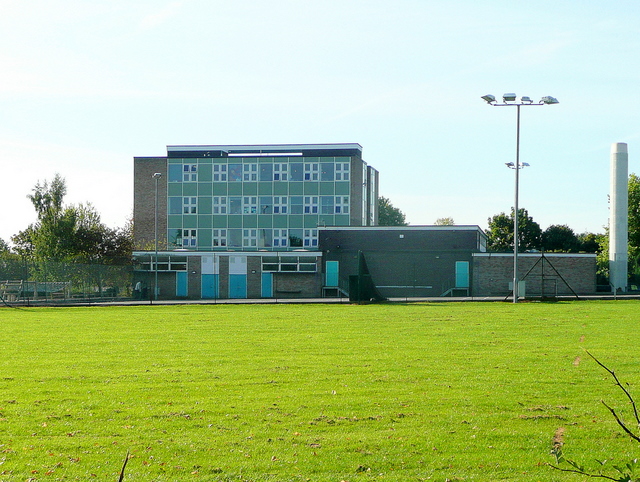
[[538, 254], [262, 147], [462, 227], [229, 253]]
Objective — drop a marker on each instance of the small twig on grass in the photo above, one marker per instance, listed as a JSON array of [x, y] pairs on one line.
[[626, 392], [626, 472], [123, 467]]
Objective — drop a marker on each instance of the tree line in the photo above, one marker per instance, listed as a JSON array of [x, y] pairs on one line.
[[67, 232]]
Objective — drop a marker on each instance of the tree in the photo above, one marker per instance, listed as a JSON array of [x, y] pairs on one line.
[[589, 242], [388, 214], [560, 238], [500, 232], [74, 232], [634, 224], [445, 222]]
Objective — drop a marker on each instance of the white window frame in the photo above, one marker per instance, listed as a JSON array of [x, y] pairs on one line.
[[189, 205], [310, 239], [189, 238], [250, 172], [189, 173], [219, 173], [311, 204], [249, 238], [280, 171], [219, 238], [311, 171], [280, 238], [280, 205], [341, 205], [220, 205], [342, 171], [249, 204]]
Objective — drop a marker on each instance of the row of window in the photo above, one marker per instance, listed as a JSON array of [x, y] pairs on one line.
[[248, 238], [264, 205], [279, 171]]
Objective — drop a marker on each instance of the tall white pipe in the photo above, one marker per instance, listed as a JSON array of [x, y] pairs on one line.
[[619, 216]]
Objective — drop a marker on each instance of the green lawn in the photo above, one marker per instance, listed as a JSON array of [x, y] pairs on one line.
[[393, 392]]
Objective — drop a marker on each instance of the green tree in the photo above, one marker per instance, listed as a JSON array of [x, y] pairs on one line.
[[560, 238], [69, 233], [445, 222], [500, 232], [634, 224], [589, 242], [388, 214]]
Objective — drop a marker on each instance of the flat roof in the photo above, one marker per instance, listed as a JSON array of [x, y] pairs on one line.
[[462, 227], [265, 149]]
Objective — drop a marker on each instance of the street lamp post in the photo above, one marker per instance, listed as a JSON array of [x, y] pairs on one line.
[[157, 177], [510, 100]]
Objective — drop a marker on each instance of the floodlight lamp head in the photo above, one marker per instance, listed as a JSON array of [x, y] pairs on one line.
[[526, 99], [509, 97], [510, 165], [489, 98], [524, 164], [157, 175], [549, 100]]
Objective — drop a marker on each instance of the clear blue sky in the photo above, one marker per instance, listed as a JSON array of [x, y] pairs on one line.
[[87, 85]]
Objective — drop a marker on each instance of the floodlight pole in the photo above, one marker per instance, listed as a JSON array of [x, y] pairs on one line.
[[509, 100]]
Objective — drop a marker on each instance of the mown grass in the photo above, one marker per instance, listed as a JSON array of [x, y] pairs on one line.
[[457, 391]]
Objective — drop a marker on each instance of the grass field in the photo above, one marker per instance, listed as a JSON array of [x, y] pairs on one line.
[[393, 392]]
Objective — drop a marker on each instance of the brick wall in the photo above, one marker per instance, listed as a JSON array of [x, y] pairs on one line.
[[144, 188], [549, 275]]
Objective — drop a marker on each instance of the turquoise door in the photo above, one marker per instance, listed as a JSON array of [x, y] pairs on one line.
[[210, 286], [331, 276], [462, 274], [267, 285], [181, 284], [237, 286]]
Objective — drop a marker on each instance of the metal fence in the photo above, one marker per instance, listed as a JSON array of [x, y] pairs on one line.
[[26, 281]]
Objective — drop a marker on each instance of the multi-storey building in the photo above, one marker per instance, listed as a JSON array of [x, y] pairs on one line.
[[237, 221]]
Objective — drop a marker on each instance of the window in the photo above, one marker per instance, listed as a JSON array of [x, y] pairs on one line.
[[279, 238], [327, 204], [295, 238], [235, 172], [235, 205], [189, 238], [266, 205], [342, 204], [311, 170], [311, 204], [175, 205], [249, 238], [342, 171], [249, 205], [219, 237], [326, 173], [219, 173], [280, 172], [296, 171], [280, 205], [190, 172], [289, 263], [310, 238], [266, 172], [219, 204], [189, 205], [250, 172], [296, 205]]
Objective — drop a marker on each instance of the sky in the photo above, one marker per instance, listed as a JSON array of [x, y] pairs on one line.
[[86, 85]]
